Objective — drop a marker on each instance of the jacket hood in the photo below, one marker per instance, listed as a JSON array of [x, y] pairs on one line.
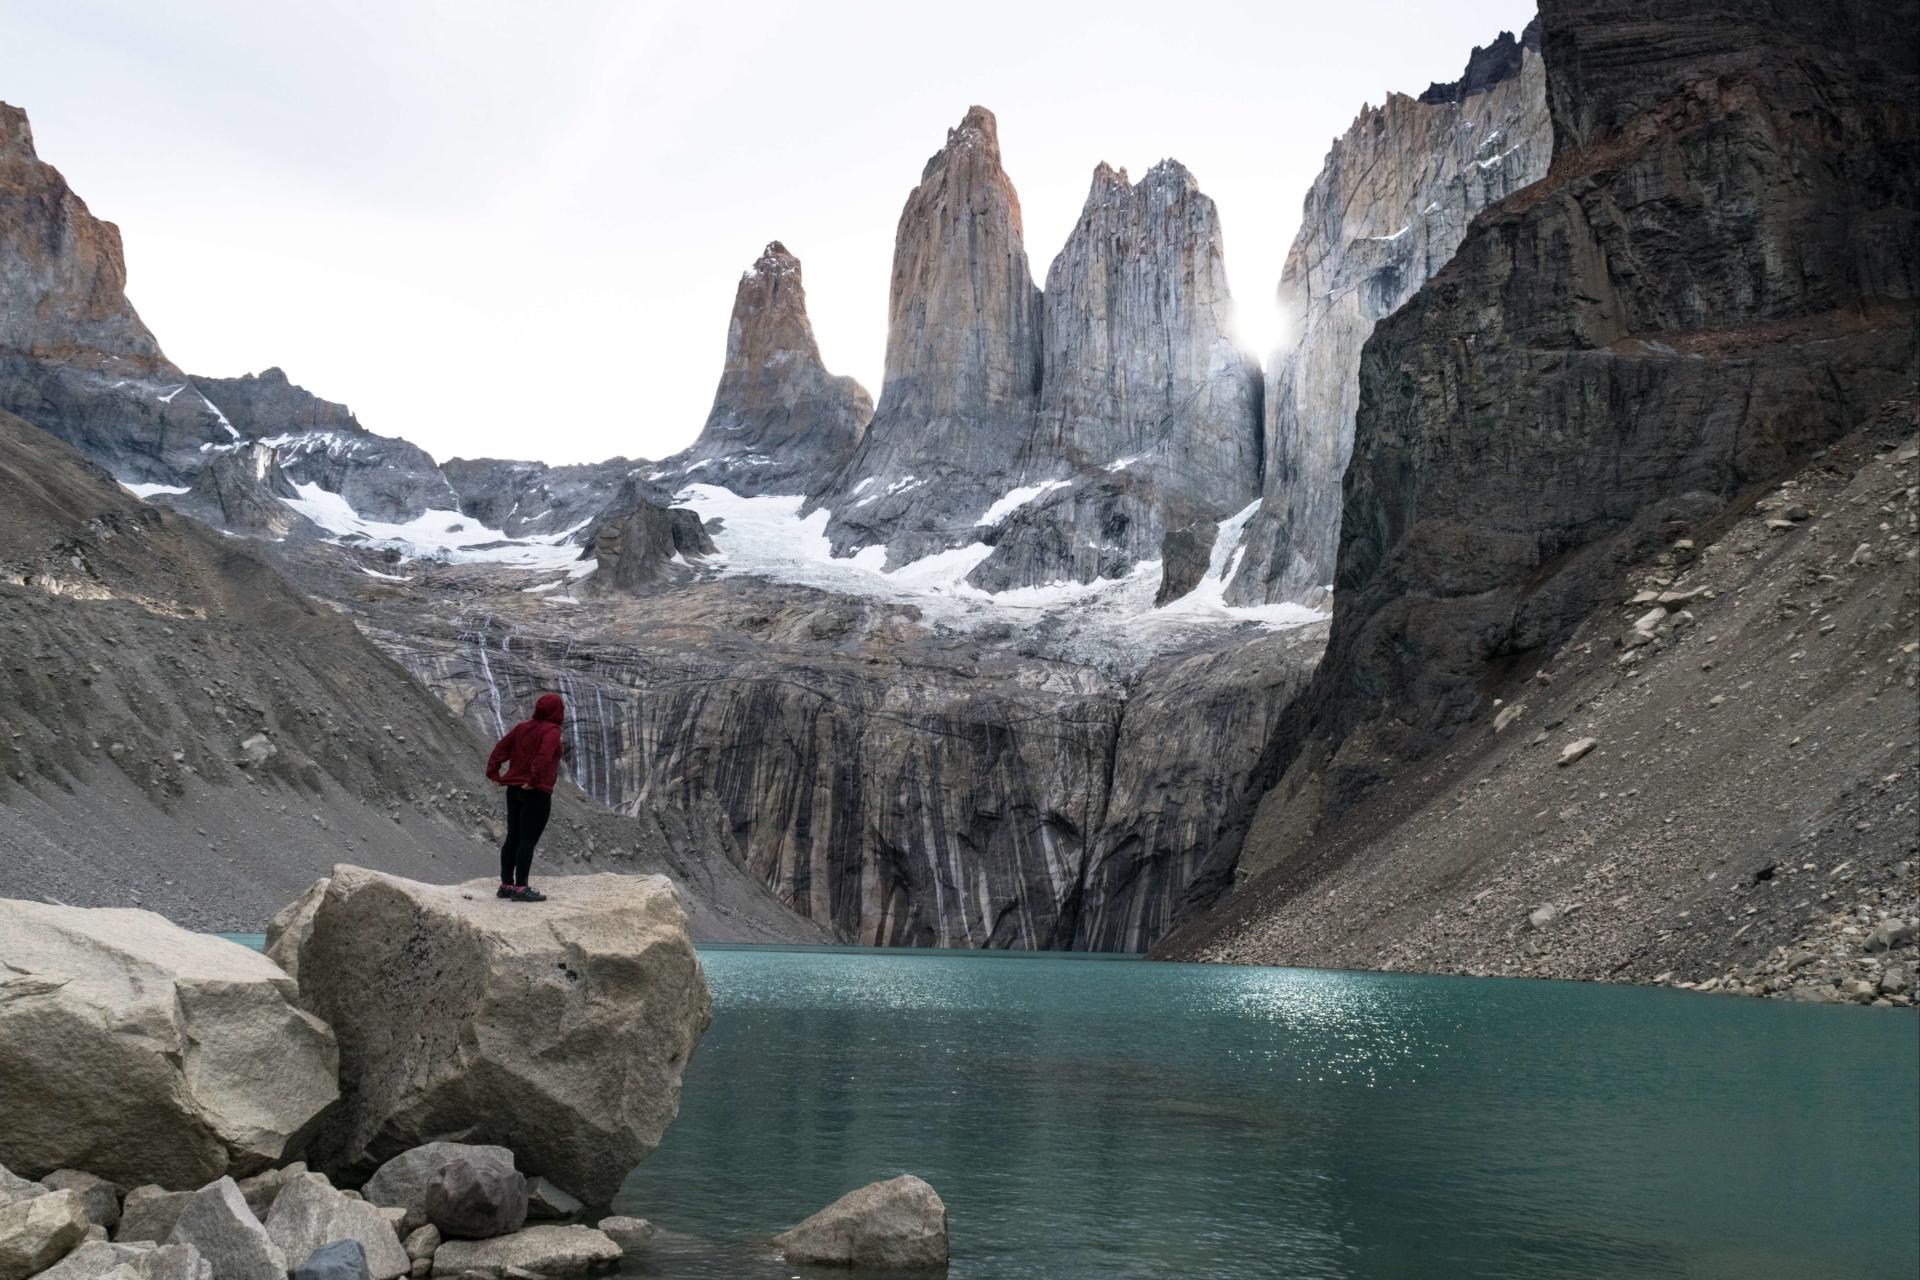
[[550, 708]]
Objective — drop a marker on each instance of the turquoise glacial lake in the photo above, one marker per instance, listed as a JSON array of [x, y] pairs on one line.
[[1099, 1117]]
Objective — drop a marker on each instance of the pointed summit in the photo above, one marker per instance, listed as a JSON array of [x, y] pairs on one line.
[[780, 422]]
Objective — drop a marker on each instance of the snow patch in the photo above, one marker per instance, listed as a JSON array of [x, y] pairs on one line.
[[145, 491], [446, 536], [1014, 499]]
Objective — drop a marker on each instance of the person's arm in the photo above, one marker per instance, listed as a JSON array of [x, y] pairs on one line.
[[502, 754]]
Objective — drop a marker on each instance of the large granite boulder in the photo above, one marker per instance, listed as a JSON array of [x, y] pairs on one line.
[[899, 1224], [100, 1198], [36, 1233], [476, 1198], [559, 1032], [545, 1250], [216, 1221], [148, 1054], [402, 1182], [308, 1214]]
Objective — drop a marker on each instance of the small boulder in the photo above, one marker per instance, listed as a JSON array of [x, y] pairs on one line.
[[899, 1224], [439, 994], [149, 1213], [1508, 714], [216, 1221], [92, 1258], [101, 1198], [308, 1213], [477, 1197], [260, 1190], [172, 1262], [38, 1232], [144, 1052], [14, 1188], [1575, 750], [287, 932], [1542, 917], [626, 1232], [402, 1181], [547, 1250], [546, 1202], [421, 1244], [1889, 933], [341, 1260]]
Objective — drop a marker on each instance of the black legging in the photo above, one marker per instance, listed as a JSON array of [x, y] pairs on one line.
[[527, 812]]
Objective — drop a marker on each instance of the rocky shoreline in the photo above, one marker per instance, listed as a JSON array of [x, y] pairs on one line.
[[181, 1111]]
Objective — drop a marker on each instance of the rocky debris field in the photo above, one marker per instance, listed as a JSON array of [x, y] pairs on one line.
[[183, 729], [169, 1089], [1714, 784]]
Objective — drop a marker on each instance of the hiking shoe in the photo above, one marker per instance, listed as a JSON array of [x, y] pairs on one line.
[[504, 891], [526, 893]]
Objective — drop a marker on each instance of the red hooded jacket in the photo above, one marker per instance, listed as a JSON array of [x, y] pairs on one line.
[[531, 749]]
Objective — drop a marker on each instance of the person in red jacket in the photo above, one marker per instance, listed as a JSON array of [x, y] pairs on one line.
[[530, 754]]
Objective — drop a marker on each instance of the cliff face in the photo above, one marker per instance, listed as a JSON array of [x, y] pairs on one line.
[[1389, 209], [1148, 418], [780, 422], [1715, 280], [75, 359], [963, 358]]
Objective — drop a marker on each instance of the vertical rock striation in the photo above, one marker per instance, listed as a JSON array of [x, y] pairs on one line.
[[963, 359], [780, 422], [1390, 207], [1148, 412], [75, 359]]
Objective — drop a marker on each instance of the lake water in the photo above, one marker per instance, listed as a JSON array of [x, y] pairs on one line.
[[1092, 1117]]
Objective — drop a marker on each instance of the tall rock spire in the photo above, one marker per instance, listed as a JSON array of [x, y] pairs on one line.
[[780, 422], [1149, 418], [963, 357]]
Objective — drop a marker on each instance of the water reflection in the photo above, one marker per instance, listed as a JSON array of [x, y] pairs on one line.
[[1098, 1118]]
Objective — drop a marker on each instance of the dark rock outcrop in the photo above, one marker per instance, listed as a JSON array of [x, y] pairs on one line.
[[529, 499], [643, 543], [75, 359], [1390, 206], [1715, 280], [963, 359], [320, 442], [780, 422], [1149, 416], [240, 489]]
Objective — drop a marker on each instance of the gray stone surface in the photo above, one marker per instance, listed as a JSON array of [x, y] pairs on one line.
[[583, 1013], [36, 1233], [91, 1259], [899, 1224], [260, 1190], [199, 1061], [628, 1233], [780, 422], [149, 1212], [422, 1242], [100, 1198], [547, 1202], [309, 1213], [402, 1182], [216, 1221], [546, 1250], [240, 489], [1391, 204], [13, 1187], [288, 929], [340, 1260], [477, 1197]]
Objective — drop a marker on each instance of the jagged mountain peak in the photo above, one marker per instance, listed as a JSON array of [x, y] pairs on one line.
[[16, 134], [774, 260]]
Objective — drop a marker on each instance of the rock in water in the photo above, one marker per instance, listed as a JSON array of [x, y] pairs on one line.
[[476, 1198], [309, 1214], [544, 1250], [146, 1053], [402, 1182], [898, 1224], [627, 1232], [36, 1233], [100, 1198], [341, 1260], [559, 1033], [544, 1200], [216, 1221]]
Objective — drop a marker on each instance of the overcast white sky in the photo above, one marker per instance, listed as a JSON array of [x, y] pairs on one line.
[[513, 229]]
